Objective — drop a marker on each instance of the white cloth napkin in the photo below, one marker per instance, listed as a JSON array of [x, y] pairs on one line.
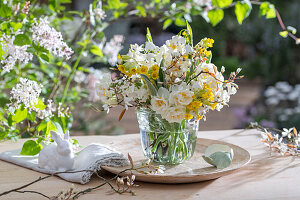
[[90, 158]]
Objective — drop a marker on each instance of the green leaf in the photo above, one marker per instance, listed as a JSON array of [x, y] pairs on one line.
[[292, 29], [20, 115], [96, 51], [151, 87], [31, 116], [284, 34], [215, 16], [221, 3], [50, 127], [116, 4], [44, 57], [42, 126], [3, 135], [142, 10], [267, 9], [58, 128], [16, 26], [21, 40], [148, 36], [40, 105], [180, 21], [167, 23], [189, 28], [5, 11], [10, 120], [75, 141], [2, 118], [31, 148], [161, 138], [242, 10]]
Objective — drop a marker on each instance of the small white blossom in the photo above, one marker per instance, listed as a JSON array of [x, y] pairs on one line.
[[112, 49], [50, 39], [13, 53], [26, 92]]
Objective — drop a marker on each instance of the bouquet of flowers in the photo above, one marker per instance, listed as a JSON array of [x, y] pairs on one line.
[[177, 82]]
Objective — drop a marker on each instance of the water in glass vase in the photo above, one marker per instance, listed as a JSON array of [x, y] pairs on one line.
[[165, 142]]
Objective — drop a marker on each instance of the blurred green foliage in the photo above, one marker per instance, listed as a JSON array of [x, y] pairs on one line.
[[256, 45]]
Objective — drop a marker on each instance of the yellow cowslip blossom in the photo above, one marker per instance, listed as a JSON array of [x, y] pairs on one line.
[[199, 117], [201, 50], [184, 33], [213, 106], [188, 116], [133, 71], [155, 75], [121, 68], [143, 69], [210, 42], [196, 104], [209, 95], [185, 56], [155, 68], [207, 53]]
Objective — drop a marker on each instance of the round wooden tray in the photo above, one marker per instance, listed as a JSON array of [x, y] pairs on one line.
[[193, 170]]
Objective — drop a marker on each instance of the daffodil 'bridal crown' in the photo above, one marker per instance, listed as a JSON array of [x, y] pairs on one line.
[[176, 80]]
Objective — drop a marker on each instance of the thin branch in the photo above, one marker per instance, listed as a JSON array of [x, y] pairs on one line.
[[35, 192]]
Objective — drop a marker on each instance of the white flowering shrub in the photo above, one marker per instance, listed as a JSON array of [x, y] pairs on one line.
[[42, 76]]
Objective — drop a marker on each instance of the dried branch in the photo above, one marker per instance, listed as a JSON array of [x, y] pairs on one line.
[[70, 194]]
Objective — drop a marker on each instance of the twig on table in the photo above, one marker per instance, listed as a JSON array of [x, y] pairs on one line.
[[124, 184]]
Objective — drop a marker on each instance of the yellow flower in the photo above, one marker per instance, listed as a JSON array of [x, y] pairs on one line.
[[184, 33], [213, 106], [190, 106], [155, 68], [199, 117], [133, 71], [121, 68], [143, 69], [207, 53], [210, 42], [185, 56], [188, 116], [201, 50], [196, 104], [155, 75]]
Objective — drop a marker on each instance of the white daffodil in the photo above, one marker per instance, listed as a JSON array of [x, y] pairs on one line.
[[174, 114]]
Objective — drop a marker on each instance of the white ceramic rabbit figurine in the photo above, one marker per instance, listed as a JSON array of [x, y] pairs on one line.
[[59, 156]]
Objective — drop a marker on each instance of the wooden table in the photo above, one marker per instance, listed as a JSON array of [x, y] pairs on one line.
[[268, 176]]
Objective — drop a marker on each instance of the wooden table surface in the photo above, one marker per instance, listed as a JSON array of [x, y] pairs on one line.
[[267, 176]]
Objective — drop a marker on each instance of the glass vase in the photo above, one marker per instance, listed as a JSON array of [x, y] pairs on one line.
[[165, 142]]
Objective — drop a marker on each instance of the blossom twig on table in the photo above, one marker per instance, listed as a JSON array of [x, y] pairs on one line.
[[285, 142]]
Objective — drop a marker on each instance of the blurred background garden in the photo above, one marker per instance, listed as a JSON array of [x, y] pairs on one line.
[[269, 93]]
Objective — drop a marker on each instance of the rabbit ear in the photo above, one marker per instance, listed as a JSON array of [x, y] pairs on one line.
[[67, 135], [55, 136]]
